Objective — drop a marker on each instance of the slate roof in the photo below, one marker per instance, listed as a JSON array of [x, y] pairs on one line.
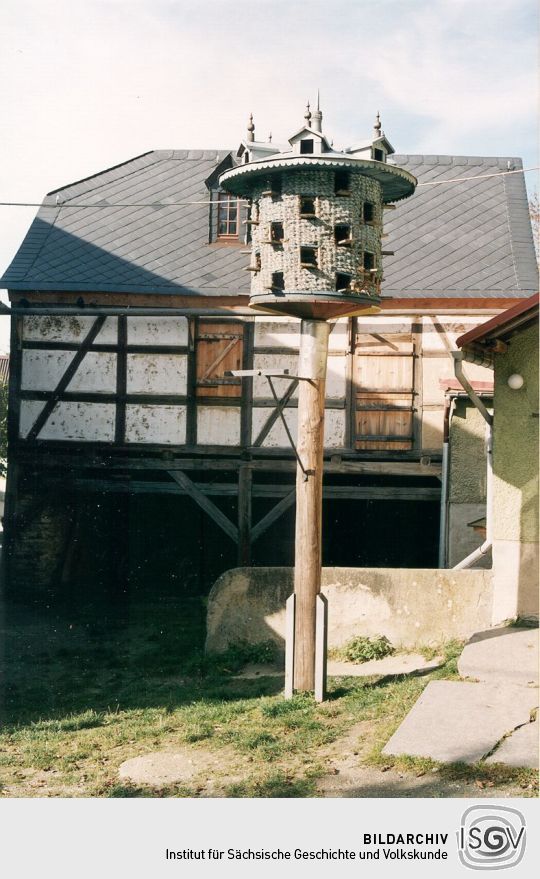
[[471, 240], [464, 239]]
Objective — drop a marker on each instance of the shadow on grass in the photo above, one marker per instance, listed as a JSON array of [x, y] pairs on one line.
[[59, 663]]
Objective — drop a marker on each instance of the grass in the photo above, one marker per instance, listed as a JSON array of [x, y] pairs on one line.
[[363, 649], [86, 691]]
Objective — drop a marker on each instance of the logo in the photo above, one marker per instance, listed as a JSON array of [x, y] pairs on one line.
[[491, 837]]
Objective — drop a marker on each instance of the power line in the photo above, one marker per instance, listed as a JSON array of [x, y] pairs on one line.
[[175, 204]]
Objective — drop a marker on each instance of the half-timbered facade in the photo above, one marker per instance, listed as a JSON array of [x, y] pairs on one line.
[[132, 450]]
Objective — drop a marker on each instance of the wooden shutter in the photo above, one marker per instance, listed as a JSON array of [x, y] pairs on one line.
[[384, 382], [218, 349]]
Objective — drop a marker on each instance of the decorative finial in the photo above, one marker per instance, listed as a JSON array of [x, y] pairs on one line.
[[251, 128], [307, 115], [316, 123], [377, 126], [270, 137]]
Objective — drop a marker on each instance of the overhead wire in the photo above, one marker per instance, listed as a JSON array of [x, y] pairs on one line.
[[171, 204]]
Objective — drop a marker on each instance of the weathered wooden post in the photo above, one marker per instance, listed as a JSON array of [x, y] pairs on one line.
[[315, 223], [309, 477]]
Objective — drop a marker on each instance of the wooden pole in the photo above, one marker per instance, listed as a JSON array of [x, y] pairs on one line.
[[308, 549]]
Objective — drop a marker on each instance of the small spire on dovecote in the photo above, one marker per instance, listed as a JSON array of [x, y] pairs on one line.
[[307, 115], [251, 129], [377, 127], [270, 137], [317, 115]]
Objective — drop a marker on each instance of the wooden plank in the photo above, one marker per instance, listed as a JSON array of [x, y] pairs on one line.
[[273, 515], [218, 350], [121, 382], [275, 414], [321, 647], [244, 515], [308, 542], [418, 388], [246, 418], [47, 410], [289, 645], [191, 411], [287, 497], [205, 504]]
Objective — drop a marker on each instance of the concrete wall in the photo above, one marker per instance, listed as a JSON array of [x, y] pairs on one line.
[[466, 483], [515, 464], [410, 607]]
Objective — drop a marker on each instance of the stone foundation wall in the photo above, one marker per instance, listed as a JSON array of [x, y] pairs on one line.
[[410, 606]]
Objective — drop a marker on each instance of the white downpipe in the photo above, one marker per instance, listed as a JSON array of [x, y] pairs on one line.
[[444, 507], [486, 545]]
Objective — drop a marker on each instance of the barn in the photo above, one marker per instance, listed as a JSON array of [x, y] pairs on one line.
[[136, 461]]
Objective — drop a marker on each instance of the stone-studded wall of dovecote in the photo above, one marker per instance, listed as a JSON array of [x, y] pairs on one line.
[[331, 210]]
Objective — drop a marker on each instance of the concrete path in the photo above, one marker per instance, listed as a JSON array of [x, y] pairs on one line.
[[465, 721], [399, 664], [506, 655]]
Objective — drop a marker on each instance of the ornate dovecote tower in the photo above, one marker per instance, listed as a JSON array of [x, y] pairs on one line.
[[316, 219]]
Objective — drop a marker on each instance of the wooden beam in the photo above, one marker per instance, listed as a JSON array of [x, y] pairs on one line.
[[230, 489], [205, 504], [272, 516], [309, 473], [47, 410], [275, 414], [244, 515]]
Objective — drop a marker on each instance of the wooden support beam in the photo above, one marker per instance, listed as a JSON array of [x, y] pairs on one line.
[[205, 504], [244, 516], [308, 536], [43, 416], [273, 515]]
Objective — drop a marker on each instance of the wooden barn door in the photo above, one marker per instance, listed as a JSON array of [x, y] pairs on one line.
[[384, 391], [219, 347]]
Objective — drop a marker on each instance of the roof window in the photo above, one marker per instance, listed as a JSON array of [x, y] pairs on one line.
[[307, 146], [227, 216]]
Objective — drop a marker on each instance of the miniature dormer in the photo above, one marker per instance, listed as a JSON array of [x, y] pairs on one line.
[[379, 148], [250, 150], [310, 141]]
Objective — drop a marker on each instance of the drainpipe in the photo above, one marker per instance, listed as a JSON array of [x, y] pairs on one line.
[[448, 406], [488, 418]]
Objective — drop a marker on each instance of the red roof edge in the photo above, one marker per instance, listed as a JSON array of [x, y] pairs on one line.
[[500, 321]]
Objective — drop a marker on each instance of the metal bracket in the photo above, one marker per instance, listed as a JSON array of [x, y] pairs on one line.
[[269, 374]]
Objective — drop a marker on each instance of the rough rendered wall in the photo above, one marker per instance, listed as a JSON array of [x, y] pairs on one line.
[[318, 231], [411, 607], [515, 464], [467, 482]]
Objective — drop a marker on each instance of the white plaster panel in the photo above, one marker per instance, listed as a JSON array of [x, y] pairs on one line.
[[384, 324], [156, 374], [96, 374], [157, 331], [338, 339], [334, 428], [88, 422], [30, 410], [278, 333], [42, 370], [165, 425], [261, 388], [68, 329], [277, 438], [336, 377], [218, 425]]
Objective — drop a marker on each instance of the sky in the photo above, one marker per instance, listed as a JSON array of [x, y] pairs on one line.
[[87, 84]]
